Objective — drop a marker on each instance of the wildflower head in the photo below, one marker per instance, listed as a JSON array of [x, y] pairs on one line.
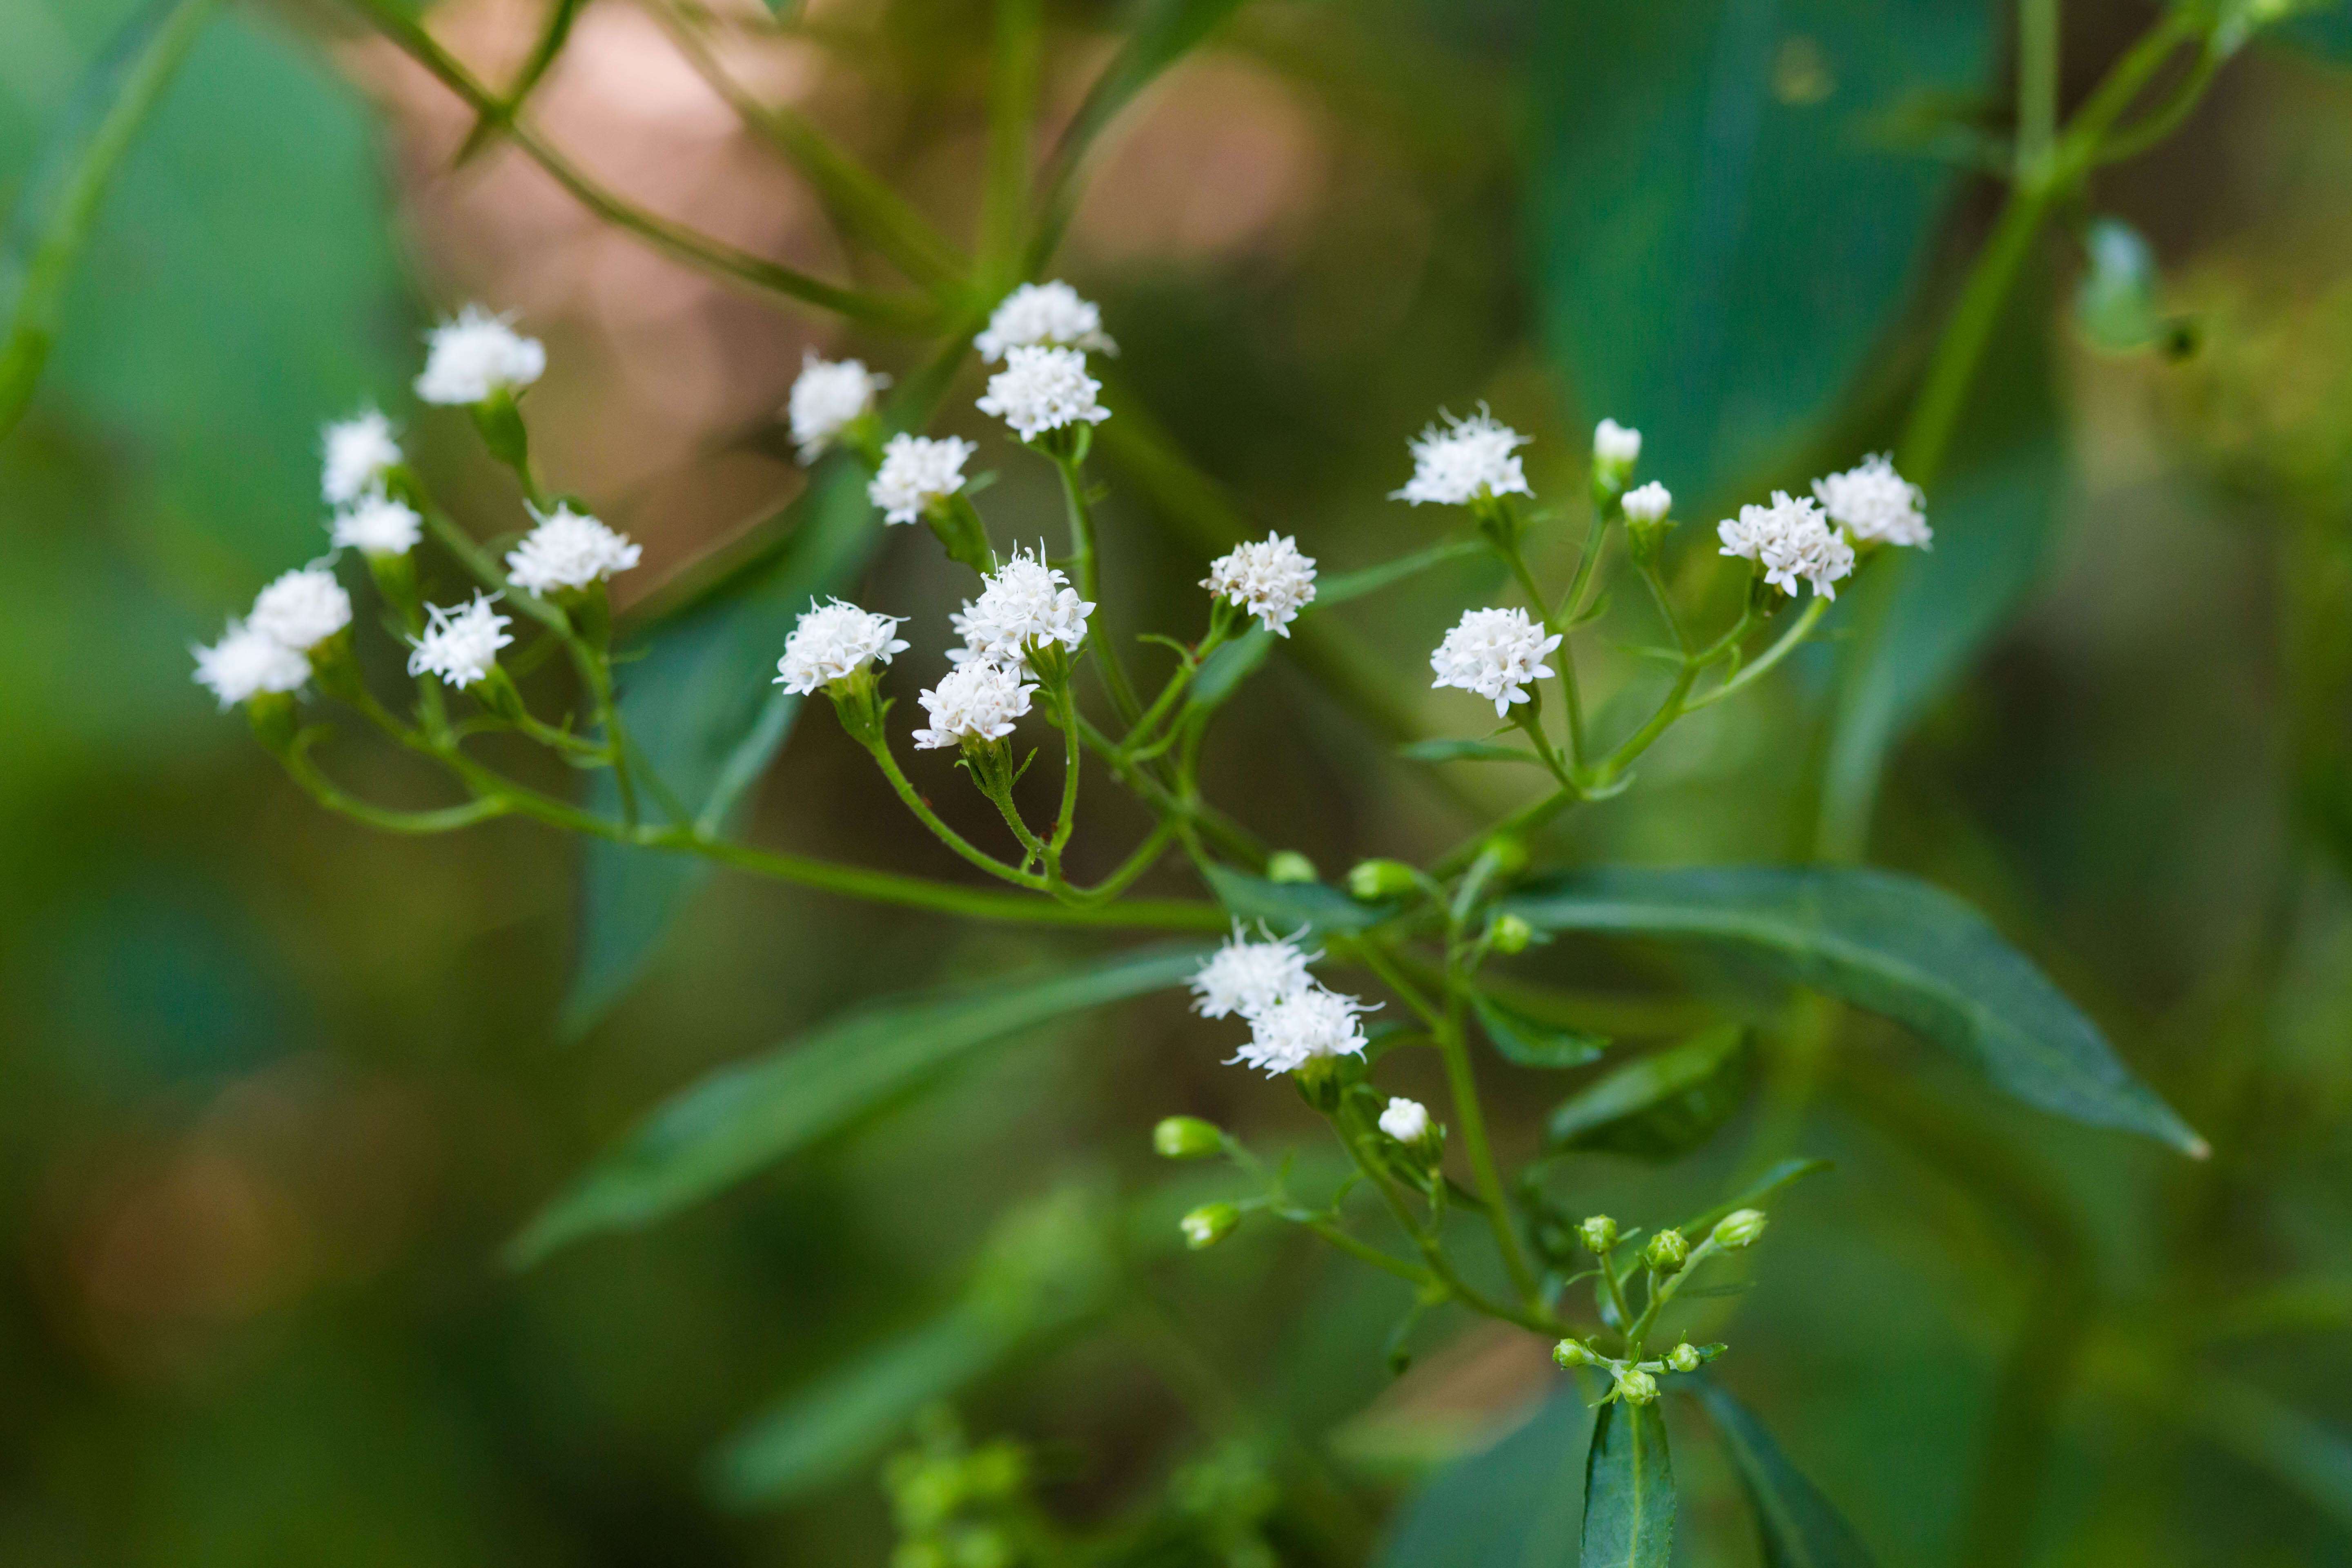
[[460, 645], [1875, 504], [917, 474], [828, 396], [1309, 1025], [1406, 1121], [974, 703], [376, 525], [1247, 977], [358, 453], [1790, 542], [1269, 579], [301, 609], [247, 662], [1024, 607], [1043, 389], [1666, 1252], [1462, 461], [475, 357], [568, 550], [1042, 315], [1598, 1233], [1615, 450], [1496, 653], [834, 641], [1635, 1386], [1684, 1357]]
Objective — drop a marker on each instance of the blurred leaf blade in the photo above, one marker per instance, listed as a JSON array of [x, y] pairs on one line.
[[1287, 908], [1664, 1105], [1530, 1042], [1890, 944], [1796, 1525], [1629, 1489], [1753, 1194], [1514, 1502]]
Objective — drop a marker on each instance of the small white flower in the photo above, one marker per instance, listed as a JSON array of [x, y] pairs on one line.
[[1874, 503], [1270, 579], [834, 641], [1042, 389], [1791, 541], [1495, 653], [1247, 977], [1650, 503], [460, 645], [568, 550], [301, 609], [1615, 445], [1301, 1027], [916, 471], [1024, 603], [477, 356], [1463, 462], [1042, 315], [828, 395], [246, 662], [377, 525], [1406, 1121], [976, 700], [358, 452]]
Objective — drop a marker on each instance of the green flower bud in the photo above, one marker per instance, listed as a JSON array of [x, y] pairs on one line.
[[1209, 1224], [1635, 1386], [1187, 1138], [1573, 1354], [1684, 1358], [1666, 1252], [1509, 854], [1289, 866], [1739, 1228], [1599, 1234], [1511, 934], [1381, 879]]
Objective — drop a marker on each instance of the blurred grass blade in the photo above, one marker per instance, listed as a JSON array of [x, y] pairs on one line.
[[1530, 1042], [1466, 752], [747, 1116], [1753, 1194], [1796, 1526], [60, 200], [1890, 944], [2312, 1459], [1665, 1105], [551, 39], [1512, 1505], [1355, 585], [1285, 908], [1629, 1490]]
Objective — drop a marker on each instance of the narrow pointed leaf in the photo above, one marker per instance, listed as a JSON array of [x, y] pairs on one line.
[[1530, 1042], [1466, 752], [1890, 944], [1511, 1505], [1288, 907], [1795, 1524], [1753, 1194], [1629, 1490], [1663, 1106]]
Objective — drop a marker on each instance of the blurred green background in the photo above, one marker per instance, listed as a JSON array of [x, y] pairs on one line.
[[277, 1090]]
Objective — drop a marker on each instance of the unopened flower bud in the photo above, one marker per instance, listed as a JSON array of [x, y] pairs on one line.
[[1599, 1234], [1666, 1252], [1511, 934], [1186, 1138], [1509, 855], [1373, 879], [1209, 1224], [1739, 1228], [1635, 1386], [1406, 1121], [1289, 866], [1615, 450], [1573, 1354], [1684, 1358]]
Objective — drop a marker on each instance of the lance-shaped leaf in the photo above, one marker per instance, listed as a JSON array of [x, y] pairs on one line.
[[1890, 944], [747, 1116], [1513, 1503], [1795, 1524], [1530, 1042], [1288, 907], [1629, 1489], [1663, 1106]]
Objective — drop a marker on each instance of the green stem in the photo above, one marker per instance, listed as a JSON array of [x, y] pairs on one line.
[[1453, 1042], [1780, 650], [1013, 73], [912, 799]]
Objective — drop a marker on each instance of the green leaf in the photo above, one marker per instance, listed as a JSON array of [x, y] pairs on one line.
[[1795, 1524], [1226, 669], [1890, 944], [2299, 1452], [1286, 907], [1531, 1042], [2325, 30], [1349, 585], [1629, 1490], [1466, 752], [1512, 1505], [1730, 201], [2114, 304], [1753, 1194], [1662, 1106], [59, 201], [750, 1115]]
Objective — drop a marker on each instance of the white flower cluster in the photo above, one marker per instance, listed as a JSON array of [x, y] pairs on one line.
[[1791, 541], [1406, 1121], [460, 645], [976, 700], [303, 609], [1495, 653], [834, 641], [1270, 579], [827, 396], [358, 453], [1024, 604], [1043, 389], [917, 472], [568, 550], [475, 357], [1648, 503], [1875, 504], [1293, 1019], [1465, 460], [268, 651], [1042, 315], [376, 525]]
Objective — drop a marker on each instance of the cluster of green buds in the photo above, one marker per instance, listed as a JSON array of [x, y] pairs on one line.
[[957, 1506], [1665, 1262]]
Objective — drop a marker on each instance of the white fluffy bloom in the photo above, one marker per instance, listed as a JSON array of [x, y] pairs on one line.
[[1024, 601], [1042, 315], [827, 396], [1615, 445], [1042, 389], [246, 662], [976, 700], [301, 609], [833, 641], [1302, 1026], [1406, 1121], [476, 355], [377, 525], [1247, 977], [1495, 653], [1791, 541], [358, 450], [460, 645], [1269, 579], [1465, 460], [1874, 503], [1649, 503], [916, 471], [568, 550]]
